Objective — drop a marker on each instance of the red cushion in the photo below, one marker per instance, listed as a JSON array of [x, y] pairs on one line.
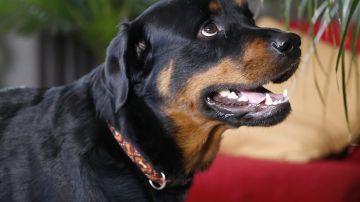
[[241, 179]]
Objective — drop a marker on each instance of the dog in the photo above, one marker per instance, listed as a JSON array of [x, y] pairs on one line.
[[138, 127]]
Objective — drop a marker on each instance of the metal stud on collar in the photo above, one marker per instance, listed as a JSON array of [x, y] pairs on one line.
[[160, 186]]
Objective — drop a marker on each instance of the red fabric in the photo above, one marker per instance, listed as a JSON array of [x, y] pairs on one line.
[[232, 179]]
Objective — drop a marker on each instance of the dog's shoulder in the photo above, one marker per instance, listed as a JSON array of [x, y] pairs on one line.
[[20, 95], [33, 113], [14, 99]]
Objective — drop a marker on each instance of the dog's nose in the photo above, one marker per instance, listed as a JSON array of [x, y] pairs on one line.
[[285, 43]]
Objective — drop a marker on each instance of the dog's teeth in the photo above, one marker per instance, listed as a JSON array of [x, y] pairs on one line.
[[233, 95], [286, 93], [243, 99], [268, 100], [224, 93], [276, 102]]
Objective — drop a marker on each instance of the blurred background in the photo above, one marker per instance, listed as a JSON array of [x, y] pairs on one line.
[[47, 43]]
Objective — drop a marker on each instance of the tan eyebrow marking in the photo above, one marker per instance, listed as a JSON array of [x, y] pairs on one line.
[[214, 5], [240, 2]]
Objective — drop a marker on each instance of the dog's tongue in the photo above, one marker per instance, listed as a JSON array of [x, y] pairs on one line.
[[254, 97]]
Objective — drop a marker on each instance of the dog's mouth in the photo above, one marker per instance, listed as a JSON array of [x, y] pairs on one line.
[[257, 106], [238, 101], [253, 107], [250, 105]]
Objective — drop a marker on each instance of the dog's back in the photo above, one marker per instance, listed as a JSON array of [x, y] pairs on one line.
[[15, 99]]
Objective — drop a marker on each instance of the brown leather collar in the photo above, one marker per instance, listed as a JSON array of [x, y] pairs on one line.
[[154, 176]]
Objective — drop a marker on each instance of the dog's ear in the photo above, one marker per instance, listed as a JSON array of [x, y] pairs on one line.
[[116, 67]]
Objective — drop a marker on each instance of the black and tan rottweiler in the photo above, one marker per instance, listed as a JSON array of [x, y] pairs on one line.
[[139, 126]]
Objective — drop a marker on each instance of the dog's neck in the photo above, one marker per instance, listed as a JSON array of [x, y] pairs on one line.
[[144, 129], [137, 122]]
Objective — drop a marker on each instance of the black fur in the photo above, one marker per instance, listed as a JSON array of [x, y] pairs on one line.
[[55, 144]]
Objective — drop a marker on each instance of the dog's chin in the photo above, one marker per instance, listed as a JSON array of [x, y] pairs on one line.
[[256, 107]]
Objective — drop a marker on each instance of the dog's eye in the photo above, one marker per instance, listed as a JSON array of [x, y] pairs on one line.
[[209, 30]]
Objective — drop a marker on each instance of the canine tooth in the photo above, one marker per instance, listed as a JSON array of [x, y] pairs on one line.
[[286, 93], [233, 95], [224, 93], [243, 99], [268, 101], [276, 102]]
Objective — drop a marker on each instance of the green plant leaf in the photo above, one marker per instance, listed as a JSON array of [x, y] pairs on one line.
[[341, 58], [345, 30]]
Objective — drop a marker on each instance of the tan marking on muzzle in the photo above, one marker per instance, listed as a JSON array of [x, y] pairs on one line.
[[259, 61], [227, 71]]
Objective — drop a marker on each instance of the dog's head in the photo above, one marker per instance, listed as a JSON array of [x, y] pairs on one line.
[[201, 65]]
